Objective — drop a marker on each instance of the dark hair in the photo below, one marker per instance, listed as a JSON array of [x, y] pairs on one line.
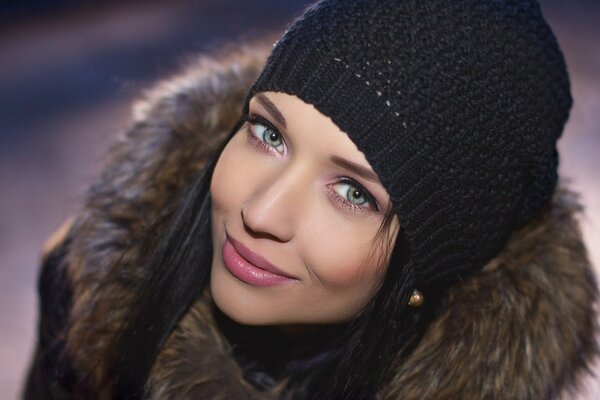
[[179, 268]]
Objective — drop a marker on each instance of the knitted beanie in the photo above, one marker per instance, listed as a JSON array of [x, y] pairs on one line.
[[457, 106]]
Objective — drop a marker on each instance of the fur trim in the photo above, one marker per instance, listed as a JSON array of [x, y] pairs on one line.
[[523, 328], [175, 129]]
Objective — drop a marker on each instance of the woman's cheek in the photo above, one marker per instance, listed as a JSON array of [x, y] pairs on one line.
[[345, 263], [230, 172]]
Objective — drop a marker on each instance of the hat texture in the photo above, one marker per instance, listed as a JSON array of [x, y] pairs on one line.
[[457, 106]]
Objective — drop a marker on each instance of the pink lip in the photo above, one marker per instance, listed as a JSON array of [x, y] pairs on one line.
[[251, 267]]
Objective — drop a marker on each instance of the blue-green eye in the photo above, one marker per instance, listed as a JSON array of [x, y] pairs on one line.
[[268, 135], [352, 196], [264, 135], [351, 193]]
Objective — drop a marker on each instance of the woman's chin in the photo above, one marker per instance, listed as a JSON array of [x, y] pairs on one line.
[[234, 314], [234, 304]]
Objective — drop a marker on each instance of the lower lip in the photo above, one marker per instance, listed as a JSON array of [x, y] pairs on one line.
[[248, 272]]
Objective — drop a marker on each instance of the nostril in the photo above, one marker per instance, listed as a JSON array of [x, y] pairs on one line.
[[257, 230]]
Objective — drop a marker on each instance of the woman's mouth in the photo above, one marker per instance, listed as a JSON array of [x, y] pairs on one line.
[[250, 267]]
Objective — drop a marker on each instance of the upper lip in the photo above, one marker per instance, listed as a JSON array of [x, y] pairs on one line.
[[256, 259]]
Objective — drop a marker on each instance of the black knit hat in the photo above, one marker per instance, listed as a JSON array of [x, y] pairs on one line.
[[457, 106]]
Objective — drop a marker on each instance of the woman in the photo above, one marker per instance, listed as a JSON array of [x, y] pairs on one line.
[[383, 221]]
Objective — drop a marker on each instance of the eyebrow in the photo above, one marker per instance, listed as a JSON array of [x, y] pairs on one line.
[[357, 169], [271, 108]]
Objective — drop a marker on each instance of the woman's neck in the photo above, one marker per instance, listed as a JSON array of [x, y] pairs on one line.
[[269, 353]]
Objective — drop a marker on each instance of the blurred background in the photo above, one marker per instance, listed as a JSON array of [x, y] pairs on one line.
[[69, 71]]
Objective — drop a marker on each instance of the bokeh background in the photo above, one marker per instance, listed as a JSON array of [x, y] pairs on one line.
[[69, 71]]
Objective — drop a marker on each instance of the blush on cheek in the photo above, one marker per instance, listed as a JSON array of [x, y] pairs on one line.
[[352, 258], [218, 192], [228, 174], [346, 270]]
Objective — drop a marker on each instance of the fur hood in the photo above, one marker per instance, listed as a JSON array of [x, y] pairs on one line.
[[523, 328]]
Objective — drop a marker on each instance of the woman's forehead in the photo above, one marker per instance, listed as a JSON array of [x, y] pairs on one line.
[[305, 126]]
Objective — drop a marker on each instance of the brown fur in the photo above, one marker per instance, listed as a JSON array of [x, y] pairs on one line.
[[523, 328]]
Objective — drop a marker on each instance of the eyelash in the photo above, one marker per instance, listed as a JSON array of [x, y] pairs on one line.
[[259, 144], [262, 146], [370, 200]]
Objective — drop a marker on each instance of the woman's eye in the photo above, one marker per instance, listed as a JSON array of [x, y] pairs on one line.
[[351, 193], [263, 135], [268, 135], [353, 196]]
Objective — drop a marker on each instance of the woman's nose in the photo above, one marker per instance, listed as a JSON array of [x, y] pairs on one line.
[[273, 209]]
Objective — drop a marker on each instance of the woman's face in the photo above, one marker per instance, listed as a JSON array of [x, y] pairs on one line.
[[296, 210]]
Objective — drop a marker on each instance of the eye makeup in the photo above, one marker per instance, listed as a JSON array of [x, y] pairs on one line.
[[371, 205], [259, 142]]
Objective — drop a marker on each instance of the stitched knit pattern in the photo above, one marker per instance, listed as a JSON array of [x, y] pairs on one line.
[[457, 106]]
